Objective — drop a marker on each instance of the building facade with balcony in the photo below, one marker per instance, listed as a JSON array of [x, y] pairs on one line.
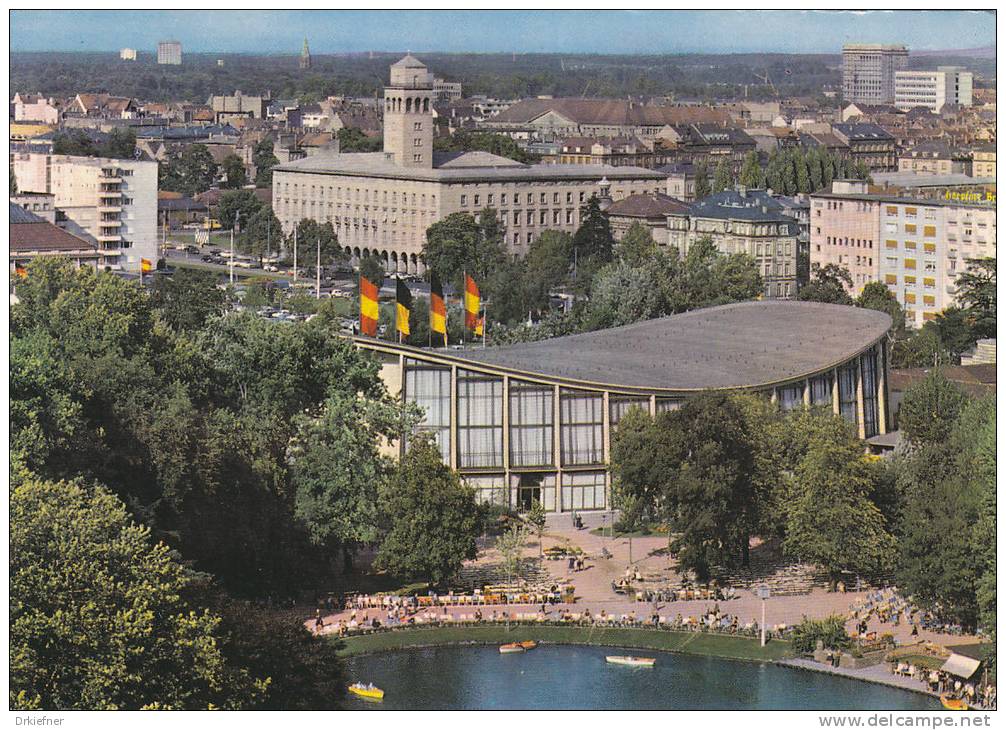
[[916, 248], [534, 422], [111, 202]]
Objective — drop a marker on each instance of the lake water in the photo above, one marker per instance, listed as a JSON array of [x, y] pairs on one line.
[[577, 678]]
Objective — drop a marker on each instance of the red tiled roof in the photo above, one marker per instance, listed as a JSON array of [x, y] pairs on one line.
[[44, 236], [647, 205], [611, 112]]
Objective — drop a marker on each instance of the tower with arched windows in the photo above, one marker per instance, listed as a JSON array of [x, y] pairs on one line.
[[408, 114]]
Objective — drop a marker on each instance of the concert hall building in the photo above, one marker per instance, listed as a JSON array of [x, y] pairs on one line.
[[534, 421]]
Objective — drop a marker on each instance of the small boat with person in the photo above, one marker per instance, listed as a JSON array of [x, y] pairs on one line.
[[367, 691], [529, 645], [513, 648], [952, 703], [631, 661]]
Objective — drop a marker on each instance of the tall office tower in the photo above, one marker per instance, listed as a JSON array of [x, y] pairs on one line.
[[868, 72], [305, 56], [169, 53]]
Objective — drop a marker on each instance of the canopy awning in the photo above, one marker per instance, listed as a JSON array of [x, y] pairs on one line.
[[960, 666]]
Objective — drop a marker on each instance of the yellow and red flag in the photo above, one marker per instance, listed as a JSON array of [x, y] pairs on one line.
[[438, 308], [480, 326], [369, 311], [146, 266], [403, 307], [20, 271], [472, 303]]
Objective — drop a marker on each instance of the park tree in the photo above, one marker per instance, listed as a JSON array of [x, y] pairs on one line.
[[352, 139], [372, 269], [636, 245], [828, 284], [496, 144], [430, 517], [703, 188], [311, 237], [876, 295], [830, 519], [546, 266], [706, 277], [535, 519], [751, 174], [930, 409], [920, 348], [954, 327], [976, 292], [723, 179], [261, 233], [460, 243], [237, 207], [510, 545], [641, 452], [233, 170], [186, 300], [593, 244], [97, 617], [264, 160], [623, 293], [190, 171]]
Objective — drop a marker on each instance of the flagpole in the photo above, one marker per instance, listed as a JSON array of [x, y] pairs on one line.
[[397, 328], [295, 253], [430, 323], [485, 323], [464, 306], [317, 273]]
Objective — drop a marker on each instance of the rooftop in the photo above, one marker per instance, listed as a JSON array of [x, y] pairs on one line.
[[457, 167], [647, 205], [28, 233], [733, 346]]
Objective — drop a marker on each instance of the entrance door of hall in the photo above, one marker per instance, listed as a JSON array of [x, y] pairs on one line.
[[528, 491]]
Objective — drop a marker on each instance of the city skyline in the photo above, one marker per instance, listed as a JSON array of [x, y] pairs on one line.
[[608, 32]]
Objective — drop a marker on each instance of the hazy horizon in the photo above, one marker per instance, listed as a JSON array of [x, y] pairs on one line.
[[637, 32]]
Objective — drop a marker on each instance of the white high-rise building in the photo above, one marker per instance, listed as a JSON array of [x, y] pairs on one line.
[[109, 201], [169, 53], [868, 71], [127, 54], [933, 89]]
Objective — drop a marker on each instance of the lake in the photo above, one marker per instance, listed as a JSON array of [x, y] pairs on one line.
[[577, 678]]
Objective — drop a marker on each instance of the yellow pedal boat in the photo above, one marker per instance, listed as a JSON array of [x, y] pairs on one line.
[[367, 690], [529, 645], [950, 703], [631, 661], [511, 649]]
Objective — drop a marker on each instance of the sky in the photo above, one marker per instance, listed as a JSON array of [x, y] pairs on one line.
[[553, 31]]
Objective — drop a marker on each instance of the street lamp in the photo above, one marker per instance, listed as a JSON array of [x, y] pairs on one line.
[[763, 593]]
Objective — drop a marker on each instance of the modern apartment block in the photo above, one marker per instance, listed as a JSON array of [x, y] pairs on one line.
[[108, 201], [933, 89], [868, 71], [169, 53], [127, 54], [916, 247]]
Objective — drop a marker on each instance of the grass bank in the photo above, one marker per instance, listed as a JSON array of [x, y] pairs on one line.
[[714, 645]]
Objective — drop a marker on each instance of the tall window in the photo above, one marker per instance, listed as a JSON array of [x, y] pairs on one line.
[[430, 388], [490, 489], [531, 423], [583, 490], [820, 390], [618, 407], [869, 364], [847, 392], [582, 420], [480, 420], [790, 397]]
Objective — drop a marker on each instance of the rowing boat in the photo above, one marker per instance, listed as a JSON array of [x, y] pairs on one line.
[[367, 690], [951, 703], [631, 661], [529, 645], [511, 649]]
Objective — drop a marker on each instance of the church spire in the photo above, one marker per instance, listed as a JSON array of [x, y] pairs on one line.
[[305, 55]]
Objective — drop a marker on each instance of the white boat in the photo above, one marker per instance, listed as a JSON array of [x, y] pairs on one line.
[[631, 661], [512, 649]]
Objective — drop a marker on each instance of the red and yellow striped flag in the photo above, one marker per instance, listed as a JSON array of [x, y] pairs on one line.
[[472, 303], [20, 271], [146, 266], [369, 312], [480, 327], [438, 308]]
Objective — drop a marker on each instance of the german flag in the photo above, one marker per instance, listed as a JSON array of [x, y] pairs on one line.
[[480, 327], [146, 266], [438, 309], [472, 303], [403, 307], [20, 271], [369, 311]]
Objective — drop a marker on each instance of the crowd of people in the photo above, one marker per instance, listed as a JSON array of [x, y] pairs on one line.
[[889, 607], [943, 683]]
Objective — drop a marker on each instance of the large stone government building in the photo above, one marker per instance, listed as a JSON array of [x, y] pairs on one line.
[[381, 203], [534, 421]]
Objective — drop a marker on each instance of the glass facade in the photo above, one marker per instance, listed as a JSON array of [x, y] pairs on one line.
[[489, 489], [582, 433], [790, 397], [847, 391], [583, 490], [619, 406], [820, 390], [531, 423], [869, 365], [667, 404], [430, 388], [480, 421]]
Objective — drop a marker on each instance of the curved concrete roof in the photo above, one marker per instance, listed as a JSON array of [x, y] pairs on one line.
[[733, 346]]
